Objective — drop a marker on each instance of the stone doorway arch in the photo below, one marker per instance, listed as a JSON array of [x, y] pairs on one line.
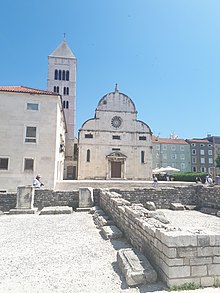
[[116, 167]]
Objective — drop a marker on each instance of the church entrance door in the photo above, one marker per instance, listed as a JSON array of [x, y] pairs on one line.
[[115, 169]]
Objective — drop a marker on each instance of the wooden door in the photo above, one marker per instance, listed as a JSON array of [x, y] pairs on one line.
[[115, 169]]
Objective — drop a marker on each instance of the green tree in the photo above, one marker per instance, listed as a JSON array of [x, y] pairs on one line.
[[218, 161]]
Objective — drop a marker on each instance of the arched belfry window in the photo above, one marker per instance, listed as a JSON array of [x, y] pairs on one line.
[[88, 156], [67, 75], [60, 73], [63, 75], [65, 104], [56, 74], [67, 91], [56, 89]]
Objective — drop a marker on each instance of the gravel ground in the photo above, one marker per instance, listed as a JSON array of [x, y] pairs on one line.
[[63, 254], [193, 221]]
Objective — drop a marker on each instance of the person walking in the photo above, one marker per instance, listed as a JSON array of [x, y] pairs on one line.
[[154, 181], [37, 182]]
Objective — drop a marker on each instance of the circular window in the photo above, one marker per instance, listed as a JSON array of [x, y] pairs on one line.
[[116, 121]]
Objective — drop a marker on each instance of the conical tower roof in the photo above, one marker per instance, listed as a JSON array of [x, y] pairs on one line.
[[63, 50]]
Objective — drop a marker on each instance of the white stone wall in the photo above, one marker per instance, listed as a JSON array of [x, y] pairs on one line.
[[14, 118], [102, 142]]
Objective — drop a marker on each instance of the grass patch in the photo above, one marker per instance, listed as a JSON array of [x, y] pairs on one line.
[[217, 283], [186, 286]]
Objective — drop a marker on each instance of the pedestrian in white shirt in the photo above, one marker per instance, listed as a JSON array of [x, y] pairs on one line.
[[37, 183]]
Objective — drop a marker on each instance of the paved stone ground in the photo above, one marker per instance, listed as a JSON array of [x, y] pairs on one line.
[[63, 254]]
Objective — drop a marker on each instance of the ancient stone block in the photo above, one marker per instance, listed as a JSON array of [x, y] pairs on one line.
[[177, 206], [150, 205], [135, 267], [86, 197], [111, 232], [198, 271], [56, 210], [207, 281], [25, 201]]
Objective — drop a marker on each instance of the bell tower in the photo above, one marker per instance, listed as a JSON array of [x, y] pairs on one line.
[[62, 79]]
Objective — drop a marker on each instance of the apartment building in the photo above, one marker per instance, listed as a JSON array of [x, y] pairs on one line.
[[172, 152], [32, 137]]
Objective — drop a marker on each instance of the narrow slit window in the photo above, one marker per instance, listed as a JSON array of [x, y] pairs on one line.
[[88, 156], [142, 157]]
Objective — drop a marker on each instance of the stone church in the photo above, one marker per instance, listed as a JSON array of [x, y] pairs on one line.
[[113, 144]]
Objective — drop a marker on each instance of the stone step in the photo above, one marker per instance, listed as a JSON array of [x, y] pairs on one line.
[[111, 232], [135, 267], [22, 211], [56, 210]]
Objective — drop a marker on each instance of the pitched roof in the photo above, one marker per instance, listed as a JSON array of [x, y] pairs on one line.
[[198, 140], [24, 89], [63, 50], [156, 139]]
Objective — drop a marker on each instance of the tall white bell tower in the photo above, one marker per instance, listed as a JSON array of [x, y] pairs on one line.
[[62, 80]]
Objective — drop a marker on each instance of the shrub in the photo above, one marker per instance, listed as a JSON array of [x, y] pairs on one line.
[[189, 177]]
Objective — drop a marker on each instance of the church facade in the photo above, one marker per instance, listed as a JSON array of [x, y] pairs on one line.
[[114, 144]]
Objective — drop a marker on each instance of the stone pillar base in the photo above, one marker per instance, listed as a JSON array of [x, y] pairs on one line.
[[22, 211]]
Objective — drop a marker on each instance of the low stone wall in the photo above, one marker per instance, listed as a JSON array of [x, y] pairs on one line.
[[178, 256], [7, 201], [45, 198], [197, 195]]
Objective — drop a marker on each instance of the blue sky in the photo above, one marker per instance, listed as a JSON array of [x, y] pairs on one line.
[[164, 54]]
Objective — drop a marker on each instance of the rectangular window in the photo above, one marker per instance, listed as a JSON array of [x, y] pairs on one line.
[[210, 160], [194, 169], [182, 148], [28, 164], [183, 166], [116, 137], [210, 152], [164, 156], [31, 134], [32, 106], [202, 160], [203, 169], [3, 163], [173, 156], [116, 149], [164, 147], [173, 147], [88, 135], [202, 152], [142, 138], [194, 160], [157, 147], [182, 157], [193, 152]]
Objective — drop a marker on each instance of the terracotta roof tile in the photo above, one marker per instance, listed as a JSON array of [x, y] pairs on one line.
[[24, 89], [168, 140]]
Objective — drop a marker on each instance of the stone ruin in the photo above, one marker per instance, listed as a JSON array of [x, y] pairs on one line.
[[178, 256]]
